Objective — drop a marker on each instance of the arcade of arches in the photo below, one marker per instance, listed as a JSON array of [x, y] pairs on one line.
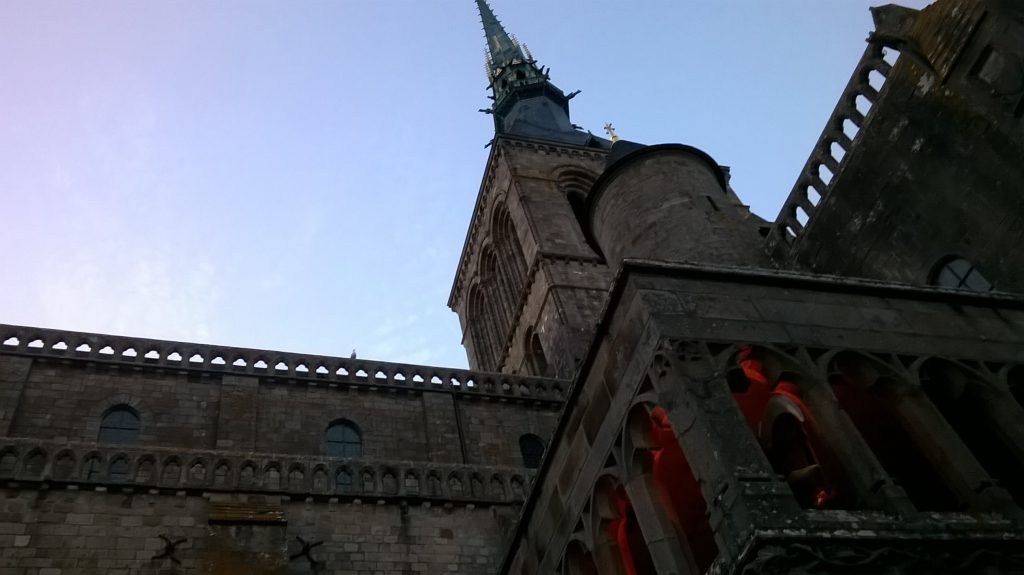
[[940, 436]]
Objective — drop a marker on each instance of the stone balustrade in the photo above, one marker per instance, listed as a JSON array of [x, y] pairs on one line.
[[837, 140], [314, 369], [118, 467]]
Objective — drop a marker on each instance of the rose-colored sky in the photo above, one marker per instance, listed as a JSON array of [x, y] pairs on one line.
[[299, 175]]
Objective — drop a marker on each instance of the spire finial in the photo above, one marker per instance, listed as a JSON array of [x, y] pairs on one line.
[[610, 130]]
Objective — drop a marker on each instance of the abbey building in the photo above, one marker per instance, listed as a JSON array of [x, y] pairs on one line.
[[662, 382]]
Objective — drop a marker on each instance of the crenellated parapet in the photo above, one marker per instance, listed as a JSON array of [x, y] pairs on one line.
[[31, 464], [313, 370]]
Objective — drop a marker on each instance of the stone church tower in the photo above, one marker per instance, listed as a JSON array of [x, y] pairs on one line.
[[531, 282], [662, 383]]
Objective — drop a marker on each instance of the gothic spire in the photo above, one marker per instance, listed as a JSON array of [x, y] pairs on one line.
[[526, 103], [502, 50]]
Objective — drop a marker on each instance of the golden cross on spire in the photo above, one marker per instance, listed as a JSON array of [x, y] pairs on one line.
[[610, 130]]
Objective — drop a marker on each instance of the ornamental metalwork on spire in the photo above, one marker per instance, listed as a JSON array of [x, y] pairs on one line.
[[526, 103]]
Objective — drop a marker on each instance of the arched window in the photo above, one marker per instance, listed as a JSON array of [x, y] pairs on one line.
[[536, 360], [344, 439], [120, 425], [958, 273], [532, 449]]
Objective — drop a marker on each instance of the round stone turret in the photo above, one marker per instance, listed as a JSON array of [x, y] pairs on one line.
[[670, 202]]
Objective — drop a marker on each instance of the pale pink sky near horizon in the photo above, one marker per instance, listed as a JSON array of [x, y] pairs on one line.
[[300, 175]]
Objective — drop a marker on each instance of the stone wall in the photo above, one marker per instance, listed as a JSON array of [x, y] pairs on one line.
[[54, 396], [921, 160], [66, 532]]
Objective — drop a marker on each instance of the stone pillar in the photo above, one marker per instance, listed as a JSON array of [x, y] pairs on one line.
[[863, 470], [1006, 420], [738, 484], [667, 546], [947, 453], [13, 376], [239, 405]]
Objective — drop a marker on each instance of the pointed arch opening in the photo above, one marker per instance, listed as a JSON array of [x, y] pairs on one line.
[[986, 418], [868, 393], [658, 464], [769, 394]]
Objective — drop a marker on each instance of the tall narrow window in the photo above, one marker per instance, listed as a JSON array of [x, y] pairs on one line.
[[958, 273], [532, 449], [119, 425], [344, 439], [538, 361]]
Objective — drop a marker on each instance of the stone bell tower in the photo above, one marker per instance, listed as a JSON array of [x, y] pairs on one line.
[[530, 282]]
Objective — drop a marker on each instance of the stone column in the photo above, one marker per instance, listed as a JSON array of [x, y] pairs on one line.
[[863, 470], [667, 546], [947, 453]]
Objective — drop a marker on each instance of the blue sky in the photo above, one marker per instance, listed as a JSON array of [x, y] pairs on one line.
[[299, 175]]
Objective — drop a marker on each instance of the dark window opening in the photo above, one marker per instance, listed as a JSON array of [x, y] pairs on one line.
[[578, 203], [958, 273], [535, 353], [344, 440], [896, 450], [967, 412], [120, 425], [532, 449]]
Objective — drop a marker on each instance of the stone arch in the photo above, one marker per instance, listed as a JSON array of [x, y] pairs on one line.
[[575, 183], [476, 486], [774, 393], [92, 467], [875, 394], [499, 291], [480, 328], [272, 476], [368, 480], [533, 351], [222, 474], [984, 415], [296, 477], [170, 474], [517, 487], [343, 480], [8, 462], [619, 545], [388, 481], [34, 464], [664, 489], [455, 485], [320, 484], [63, 465], [248, 475], [145, 468], [434, 486], [508, 248], [119, 469], [578, 559], [497, 488], [197, 471], [411, 483]]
